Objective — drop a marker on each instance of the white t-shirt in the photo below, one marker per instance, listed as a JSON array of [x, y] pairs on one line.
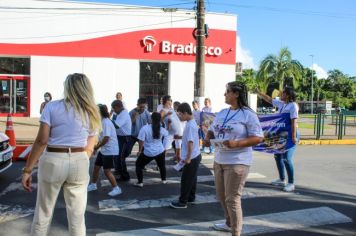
[[112, 146], [67, 128], [152, 147], [235, 125], [159, 107], [196, 114], [175, 125], [141, 120], [207, 109], [190, 133], [291, 108], [123, 120]]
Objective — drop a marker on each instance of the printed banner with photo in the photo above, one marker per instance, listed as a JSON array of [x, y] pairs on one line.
[[276, 128], [277, 132], [206, 119]]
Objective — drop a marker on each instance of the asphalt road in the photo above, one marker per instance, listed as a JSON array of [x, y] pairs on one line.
[[325, 182]]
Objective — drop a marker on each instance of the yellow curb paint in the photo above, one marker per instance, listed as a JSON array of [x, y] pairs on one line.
[[328, 142]]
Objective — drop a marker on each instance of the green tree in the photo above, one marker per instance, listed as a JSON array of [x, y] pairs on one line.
[[279, 68], [248, 77], [339, 88]]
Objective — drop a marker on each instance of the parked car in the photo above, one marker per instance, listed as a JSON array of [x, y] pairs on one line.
[[5, 152]]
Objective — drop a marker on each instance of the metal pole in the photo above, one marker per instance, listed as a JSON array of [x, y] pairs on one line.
[[312, 85], [200, 53]]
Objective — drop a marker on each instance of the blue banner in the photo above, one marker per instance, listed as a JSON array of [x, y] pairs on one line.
[[277, 131]]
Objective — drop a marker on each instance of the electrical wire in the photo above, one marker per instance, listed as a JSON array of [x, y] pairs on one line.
[[288, 10], [95, 32]]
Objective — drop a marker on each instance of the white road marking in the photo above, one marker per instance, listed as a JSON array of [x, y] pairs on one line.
[[15, 186], [201, 198], [9, 213], [253, 225], [175, 180]]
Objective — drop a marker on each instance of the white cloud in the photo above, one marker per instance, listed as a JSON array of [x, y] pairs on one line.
[[319, 71], [244, 56]]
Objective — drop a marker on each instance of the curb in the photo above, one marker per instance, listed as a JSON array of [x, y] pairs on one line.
[[328, 142]]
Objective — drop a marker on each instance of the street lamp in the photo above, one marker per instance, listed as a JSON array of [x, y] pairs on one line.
[[312, 84]]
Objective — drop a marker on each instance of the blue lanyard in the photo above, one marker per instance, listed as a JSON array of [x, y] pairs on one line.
[[226, 119]]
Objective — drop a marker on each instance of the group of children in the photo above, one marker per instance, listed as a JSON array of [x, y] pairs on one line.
[[161, 128]]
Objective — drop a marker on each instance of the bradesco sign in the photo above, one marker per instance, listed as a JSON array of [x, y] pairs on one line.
[[176, 48], [189, 49]]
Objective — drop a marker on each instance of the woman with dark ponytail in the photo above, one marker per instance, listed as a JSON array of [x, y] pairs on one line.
[[152, 148], [235, 130], [286, 104]]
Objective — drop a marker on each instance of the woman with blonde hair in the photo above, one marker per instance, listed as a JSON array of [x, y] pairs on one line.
[[64, 143]]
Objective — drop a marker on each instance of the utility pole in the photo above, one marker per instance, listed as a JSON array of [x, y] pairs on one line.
[[312, 84], [199, 88]]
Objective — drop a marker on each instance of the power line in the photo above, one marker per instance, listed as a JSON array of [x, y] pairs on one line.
[[95, 32], [288, 10], [91, 9], [6, 19]]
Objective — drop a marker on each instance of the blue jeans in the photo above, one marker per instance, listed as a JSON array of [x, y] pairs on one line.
[[285, 160]]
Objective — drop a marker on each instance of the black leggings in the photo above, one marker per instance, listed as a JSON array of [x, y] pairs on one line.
[[143, 160]]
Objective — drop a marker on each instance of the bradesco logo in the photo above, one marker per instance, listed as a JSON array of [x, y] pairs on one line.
[[149, 42], [174, 48]]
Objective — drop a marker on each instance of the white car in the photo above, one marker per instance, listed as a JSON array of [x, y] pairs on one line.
[[5, 152]]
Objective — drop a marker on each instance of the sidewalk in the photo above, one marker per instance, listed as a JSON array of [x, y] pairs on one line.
[[26, 130]]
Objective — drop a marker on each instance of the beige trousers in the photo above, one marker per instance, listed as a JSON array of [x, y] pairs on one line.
[[57, 170], [229, 182]]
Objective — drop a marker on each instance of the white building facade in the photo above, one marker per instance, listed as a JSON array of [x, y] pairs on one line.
[[138, 51]]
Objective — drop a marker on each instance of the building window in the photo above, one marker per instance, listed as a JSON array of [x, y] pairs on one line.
[[14, 66], [153, 82]]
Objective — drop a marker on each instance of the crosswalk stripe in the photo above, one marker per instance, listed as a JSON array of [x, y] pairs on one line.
[[16, 186], [152, 167], [253, 225], [175, 180], [9, 213], [201, 198], [204, 157]]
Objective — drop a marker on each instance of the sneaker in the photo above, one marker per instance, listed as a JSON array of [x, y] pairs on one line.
[[164, 181], [289, 188], [140, 185], [222, 227], [178, 205], [191, 201], [115, 191], [92, 187], [278, 182]]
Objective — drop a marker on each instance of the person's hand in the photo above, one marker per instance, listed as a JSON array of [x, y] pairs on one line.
[[294, 140], [206, 143], [27, 182], [169, 113], [231, 143], [187, 160], [138, 153]]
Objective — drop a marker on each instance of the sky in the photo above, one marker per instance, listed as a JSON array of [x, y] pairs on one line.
[[321, 34]]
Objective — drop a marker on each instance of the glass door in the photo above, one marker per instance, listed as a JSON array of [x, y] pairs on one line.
[[153, 82], [14, 95]]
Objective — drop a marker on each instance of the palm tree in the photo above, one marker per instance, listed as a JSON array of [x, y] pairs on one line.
[[281, 69], [248, 77]]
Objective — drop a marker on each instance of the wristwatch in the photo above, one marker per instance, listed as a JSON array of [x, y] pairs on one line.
[[26, 170]]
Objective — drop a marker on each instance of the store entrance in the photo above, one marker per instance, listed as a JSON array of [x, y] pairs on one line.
[[14, 95], [153, 82]]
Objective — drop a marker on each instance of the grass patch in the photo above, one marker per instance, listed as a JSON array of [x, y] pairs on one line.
[[311, 126], [305, 126]]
